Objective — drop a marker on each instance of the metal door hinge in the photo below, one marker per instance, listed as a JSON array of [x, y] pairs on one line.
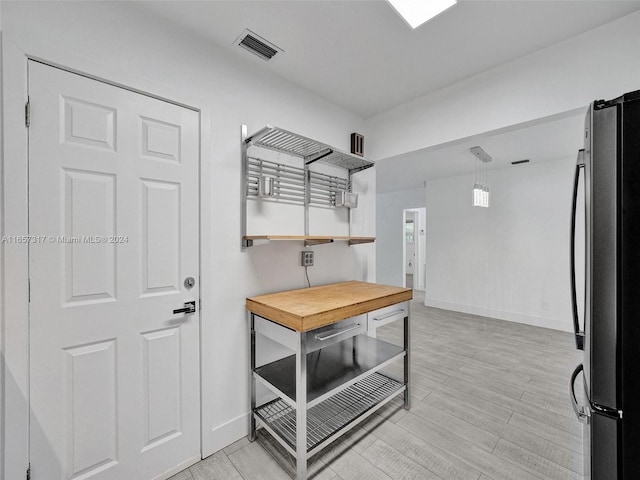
[[29, 472], [27, 113]]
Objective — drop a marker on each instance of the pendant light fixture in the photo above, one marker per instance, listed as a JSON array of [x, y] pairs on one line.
[[481, 193]]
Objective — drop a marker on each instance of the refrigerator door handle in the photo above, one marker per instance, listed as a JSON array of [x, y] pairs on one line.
[[583, 414], [579, 334]]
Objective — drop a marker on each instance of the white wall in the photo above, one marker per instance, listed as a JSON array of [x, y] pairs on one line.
[[509, 261], [600, 63], [557, 81], [114, 41], [389, 228]]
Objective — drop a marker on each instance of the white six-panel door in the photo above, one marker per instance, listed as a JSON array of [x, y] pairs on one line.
[[113, 214]]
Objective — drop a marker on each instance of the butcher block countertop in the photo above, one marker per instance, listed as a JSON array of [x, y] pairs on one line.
[[310, 308]]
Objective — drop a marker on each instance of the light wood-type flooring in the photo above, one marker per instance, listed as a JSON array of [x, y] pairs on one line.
[[490, 402]]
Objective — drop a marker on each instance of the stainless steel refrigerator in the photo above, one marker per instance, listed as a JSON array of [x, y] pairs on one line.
[[608, 172]]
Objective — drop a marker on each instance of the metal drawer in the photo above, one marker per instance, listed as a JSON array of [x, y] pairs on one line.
[[334, 333], [385, 315]]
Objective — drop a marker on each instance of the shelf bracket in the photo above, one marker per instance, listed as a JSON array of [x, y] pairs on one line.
[[317, 156], [255, 242], [359, 169], [317, 241], [256, 136]]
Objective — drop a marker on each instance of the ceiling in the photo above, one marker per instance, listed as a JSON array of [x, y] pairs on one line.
[[555, 139], [361, 55]]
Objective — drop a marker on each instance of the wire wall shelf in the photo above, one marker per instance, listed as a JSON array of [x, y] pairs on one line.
[[296, 182], [311, 151]]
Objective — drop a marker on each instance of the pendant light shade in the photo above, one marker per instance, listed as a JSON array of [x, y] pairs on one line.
[[481, 194]]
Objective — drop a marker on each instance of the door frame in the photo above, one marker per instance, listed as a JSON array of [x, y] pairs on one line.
[[14, 259], [419, 241], [405, 219]]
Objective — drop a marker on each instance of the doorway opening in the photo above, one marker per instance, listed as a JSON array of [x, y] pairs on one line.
[[414, 247]]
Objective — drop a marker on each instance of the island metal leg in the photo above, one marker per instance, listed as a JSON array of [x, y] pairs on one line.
[[407, 363], [252, 381], [301, 409]]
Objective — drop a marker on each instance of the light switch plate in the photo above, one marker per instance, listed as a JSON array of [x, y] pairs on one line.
[[306, 258]]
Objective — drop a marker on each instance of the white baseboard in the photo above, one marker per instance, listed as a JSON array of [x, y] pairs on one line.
[[178, 469], [563, 325], [224, 435]]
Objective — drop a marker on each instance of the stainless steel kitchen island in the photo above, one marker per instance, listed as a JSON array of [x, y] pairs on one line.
[[332, 381]]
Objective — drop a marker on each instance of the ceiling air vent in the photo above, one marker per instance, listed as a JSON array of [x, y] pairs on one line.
[[257, 45]]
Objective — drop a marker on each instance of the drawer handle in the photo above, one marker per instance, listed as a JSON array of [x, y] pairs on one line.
[[390, 314], [339, 332]]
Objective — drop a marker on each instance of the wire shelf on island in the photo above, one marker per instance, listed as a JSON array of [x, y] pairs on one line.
[[330, 417]]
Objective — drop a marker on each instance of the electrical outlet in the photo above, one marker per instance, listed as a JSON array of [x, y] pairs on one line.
[[306, 258], [545, 305]]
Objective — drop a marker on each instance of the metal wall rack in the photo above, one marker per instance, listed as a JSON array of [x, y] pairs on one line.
[[296, 185]]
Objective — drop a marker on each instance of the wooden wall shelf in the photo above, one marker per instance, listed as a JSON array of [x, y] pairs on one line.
[[309, 240]]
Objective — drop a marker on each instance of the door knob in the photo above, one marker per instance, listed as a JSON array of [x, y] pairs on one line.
[[189, 307]]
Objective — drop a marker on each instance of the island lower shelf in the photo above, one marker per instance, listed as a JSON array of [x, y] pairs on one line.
[[329, 369], [331, 417]]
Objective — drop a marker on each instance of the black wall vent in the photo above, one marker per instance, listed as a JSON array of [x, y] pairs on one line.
[[518, 162], [257, 45]]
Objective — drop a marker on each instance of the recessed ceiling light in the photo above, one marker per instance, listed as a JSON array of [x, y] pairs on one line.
[[416, 12]]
